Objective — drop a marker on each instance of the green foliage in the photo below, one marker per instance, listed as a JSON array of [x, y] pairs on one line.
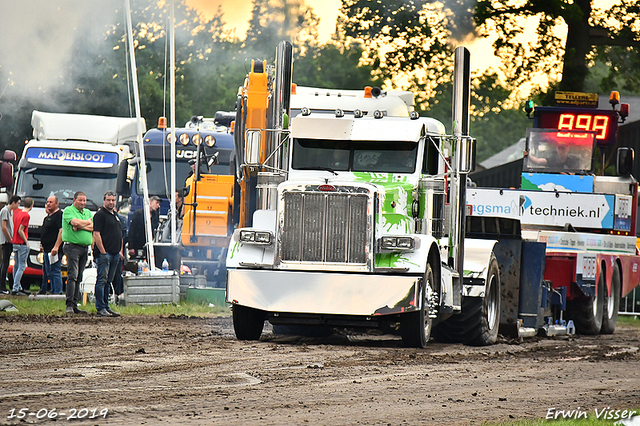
[[566, 61]]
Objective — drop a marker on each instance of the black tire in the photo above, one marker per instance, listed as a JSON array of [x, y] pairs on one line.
[[612, 304], [415, 327], [478, 323], [247, 322], [587, 313]]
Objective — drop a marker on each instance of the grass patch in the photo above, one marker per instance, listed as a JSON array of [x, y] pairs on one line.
[[58, 308], [590, 421], [629, 320]]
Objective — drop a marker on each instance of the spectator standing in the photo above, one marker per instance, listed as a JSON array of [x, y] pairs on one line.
[[165, 228], [118, 283], [107, 234], [6, 221], [77, 234], [137, 231], [51, 241], [20, 243]]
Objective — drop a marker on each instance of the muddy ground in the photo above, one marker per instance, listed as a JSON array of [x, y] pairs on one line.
[[170, 371]]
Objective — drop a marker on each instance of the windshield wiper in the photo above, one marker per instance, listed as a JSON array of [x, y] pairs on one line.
[[328, 169]]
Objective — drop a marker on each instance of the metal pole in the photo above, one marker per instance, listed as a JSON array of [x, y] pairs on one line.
[[172, 113], [143, 165]]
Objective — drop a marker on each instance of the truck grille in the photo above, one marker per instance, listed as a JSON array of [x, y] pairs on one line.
[[324, 227]]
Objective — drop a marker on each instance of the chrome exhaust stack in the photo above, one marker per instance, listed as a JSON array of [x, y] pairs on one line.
[[277, 153], [460, 158]]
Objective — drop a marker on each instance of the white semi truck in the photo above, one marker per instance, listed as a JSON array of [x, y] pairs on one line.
[[350, 226], [69, 153]]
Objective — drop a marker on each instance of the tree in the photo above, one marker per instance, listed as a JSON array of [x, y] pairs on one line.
[[404, 37], [566, 60]]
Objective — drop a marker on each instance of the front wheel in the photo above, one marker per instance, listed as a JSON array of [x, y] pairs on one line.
[[612, 304], [247, 322], [416, 326]]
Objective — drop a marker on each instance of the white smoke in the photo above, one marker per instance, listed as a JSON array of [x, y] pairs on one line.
[[37, 39]]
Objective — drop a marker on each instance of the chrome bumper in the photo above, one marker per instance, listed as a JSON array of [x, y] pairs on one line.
[[322, 293]]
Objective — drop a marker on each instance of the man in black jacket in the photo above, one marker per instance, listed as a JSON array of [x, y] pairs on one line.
[[51, 240], [137, 237]]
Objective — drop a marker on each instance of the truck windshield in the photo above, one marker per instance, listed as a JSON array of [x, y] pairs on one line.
[[40, 184], [554, 151], [357, 156]]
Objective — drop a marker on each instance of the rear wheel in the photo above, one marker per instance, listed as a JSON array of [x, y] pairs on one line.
[[479, 320], [248, 322], [612, 304], [587, 313], [416, 326]]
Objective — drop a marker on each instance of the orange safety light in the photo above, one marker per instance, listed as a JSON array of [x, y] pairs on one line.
[[232, 126], [162, 122], [614, 98], [367, 92], [294, 88]]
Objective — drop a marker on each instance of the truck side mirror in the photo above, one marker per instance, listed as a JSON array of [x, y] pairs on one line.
[[467, 155], [6, 175], [624, 161], [473, 155], [123, 186], [9, 155], [252, 148]]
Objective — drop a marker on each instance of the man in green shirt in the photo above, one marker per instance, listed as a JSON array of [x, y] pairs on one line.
[[77, 235]]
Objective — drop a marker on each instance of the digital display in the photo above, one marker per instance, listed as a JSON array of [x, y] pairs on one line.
[[603, 122]]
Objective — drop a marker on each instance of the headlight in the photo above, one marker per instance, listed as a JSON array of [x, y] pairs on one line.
[[209, 140], [40, 258], [169, 137], [64, 260], [256, 237], [388, 242], [397, 243], [184, 139], [405, 242], [247, 236], [196, 139]]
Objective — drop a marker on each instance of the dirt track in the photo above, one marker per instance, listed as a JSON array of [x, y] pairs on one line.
[[150, 370]]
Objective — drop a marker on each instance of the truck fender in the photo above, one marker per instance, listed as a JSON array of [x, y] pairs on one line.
[[252, 254], [477, 255]]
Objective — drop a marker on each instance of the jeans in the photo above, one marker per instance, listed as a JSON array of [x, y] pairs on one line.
[[21, 252], [76, 261], [118, 283], [106, 264], [52, 272], [7, 248]]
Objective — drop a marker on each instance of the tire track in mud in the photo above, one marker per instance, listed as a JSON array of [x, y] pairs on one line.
[[193, 371]]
